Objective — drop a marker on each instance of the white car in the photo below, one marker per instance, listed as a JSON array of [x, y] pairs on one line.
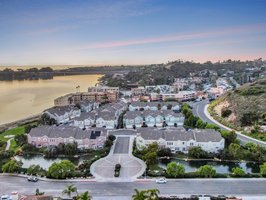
[[161, 180]]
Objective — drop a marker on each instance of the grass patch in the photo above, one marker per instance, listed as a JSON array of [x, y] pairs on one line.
[[14, 131]]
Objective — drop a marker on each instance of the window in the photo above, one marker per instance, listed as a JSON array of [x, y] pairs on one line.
[[170, 143], [191, 143]]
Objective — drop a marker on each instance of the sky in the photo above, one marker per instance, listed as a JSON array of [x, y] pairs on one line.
[[106, 32]]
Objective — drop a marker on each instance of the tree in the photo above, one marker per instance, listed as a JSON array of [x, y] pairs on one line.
[[235, 150], [212, 126], [61, 170], [111, 137], [84, 196], [175, 170], [21, 139], [153, 194], [13, 166], [238, 172], [229, 137], [38, 193], [71, 148], [206, 171], [69, 190], [165, 154], [34, 169], [263, 169], [197, 152], [150, 158], [139, 195]]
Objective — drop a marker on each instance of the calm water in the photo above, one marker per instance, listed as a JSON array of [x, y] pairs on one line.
[[220, 167], [20, 99], [45, 163], [190, 166]]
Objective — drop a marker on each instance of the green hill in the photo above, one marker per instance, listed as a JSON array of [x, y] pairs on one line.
[[244, 106]]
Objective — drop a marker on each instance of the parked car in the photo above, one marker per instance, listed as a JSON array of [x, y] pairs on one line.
[[33, 179], [161, 180], [5, 197]]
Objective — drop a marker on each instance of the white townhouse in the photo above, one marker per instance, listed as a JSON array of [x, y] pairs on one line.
[[178, 139], [106, 119], [87, 106], [85, 120], [133, 119], [174, 106], [134, 106], [153, 118], [173, 119], [63, 114]]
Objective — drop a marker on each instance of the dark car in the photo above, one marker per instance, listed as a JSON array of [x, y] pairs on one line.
[[33, 179]]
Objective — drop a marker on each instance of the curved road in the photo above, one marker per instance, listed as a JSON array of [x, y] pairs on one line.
[[238, 187], [199, 109]]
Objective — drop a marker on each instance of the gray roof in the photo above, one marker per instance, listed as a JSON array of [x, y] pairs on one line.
[[86, 115], [206, 135], [65, 132], [59, 110], [106, 115], [175, 134], [138, 104], [153, 113], [170, 112], [132, 114]]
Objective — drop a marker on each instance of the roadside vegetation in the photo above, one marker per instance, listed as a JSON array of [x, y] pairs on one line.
[[243, 109]]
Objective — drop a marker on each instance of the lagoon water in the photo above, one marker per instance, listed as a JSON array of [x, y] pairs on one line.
[[20, 99]]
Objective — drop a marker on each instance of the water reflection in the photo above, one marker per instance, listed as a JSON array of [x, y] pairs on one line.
[[220, 167], [37, 95]]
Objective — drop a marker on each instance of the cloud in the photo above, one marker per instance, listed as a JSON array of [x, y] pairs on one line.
[[177, 37]]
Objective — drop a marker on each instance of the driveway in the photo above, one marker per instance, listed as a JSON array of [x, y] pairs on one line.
[[121, 152], [121, 145]]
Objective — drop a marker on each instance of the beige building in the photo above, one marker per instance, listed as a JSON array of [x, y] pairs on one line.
[[74, 98]]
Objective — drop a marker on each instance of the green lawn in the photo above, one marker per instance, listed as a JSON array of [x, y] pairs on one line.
[[14, 131]]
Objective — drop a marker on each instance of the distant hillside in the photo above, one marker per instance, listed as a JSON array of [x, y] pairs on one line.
[[244, 106]]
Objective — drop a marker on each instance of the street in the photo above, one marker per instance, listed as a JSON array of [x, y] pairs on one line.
[[173, 187], [198, 110]]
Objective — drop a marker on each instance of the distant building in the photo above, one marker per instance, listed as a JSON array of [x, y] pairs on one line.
[[74, 98], [178, 139]]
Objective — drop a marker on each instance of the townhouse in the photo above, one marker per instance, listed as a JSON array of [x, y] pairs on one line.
[[180, 140], [63, 114], [46, 136], [154, 106], [151, 118]]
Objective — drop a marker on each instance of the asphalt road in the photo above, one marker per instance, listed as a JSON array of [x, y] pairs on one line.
[[122, 145], [198, 110], [243, 187]]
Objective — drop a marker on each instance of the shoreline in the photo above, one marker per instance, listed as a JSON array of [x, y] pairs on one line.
[[19, 122]]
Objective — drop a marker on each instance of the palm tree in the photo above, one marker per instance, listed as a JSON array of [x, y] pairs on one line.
[[153, 194], [84, 196], [69, 190], [139, 195]]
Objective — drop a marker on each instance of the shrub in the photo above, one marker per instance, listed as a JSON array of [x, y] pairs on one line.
[[238, 172], [263, 169], [197, 152], [206, 171], [226, 113]]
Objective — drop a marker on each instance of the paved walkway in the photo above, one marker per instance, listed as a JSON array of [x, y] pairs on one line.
[[121, 152], [8, 142]]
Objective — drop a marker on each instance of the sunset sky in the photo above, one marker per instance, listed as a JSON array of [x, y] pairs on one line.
[[58, 32]]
